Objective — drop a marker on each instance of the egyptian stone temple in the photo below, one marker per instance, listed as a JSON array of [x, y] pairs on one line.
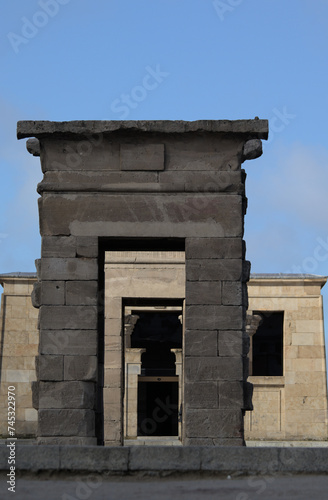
[[144, 325]]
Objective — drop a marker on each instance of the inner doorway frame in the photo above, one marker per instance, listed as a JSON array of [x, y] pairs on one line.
[[145, 287], [133, 375]]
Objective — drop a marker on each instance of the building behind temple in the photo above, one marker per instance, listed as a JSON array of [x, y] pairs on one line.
[[287, 352]]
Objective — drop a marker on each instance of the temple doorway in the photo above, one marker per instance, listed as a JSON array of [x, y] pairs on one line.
[[143, 386], [153, 372]]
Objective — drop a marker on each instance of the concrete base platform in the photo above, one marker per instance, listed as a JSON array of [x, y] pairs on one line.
[[99, 488], [196, 461]]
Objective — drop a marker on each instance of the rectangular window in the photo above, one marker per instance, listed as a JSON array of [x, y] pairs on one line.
[[267, 345]]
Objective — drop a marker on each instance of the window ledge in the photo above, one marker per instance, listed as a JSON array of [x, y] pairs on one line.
[[278, 381]]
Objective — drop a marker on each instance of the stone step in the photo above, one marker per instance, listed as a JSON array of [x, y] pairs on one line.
[[153, 441]]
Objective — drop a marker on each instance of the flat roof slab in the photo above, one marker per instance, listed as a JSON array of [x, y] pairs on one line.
[[251, 128]]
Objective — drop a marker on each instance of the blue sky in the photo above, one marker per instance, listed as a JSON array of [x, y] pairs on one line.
[[223, 59]]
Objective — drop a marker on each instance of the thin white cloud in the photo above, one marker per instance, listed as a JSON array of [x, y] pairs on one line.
[[291, 185], [288, 208], [298, 186]]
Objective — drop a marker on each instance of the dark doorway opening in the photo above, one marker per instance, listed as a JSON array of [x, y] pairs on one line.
[[158, 385], [158, 333], [158, 408]]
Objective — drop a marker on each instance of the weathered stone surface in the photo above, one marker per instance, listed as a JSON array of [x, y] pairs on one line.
[[227, 442], [38, 268], [113, 431], [36, 295], [50, 367], [81, 293], [245, 460], [230, 394], [302, 459], [201, 342], [112, 411], [33, 146], [34, 458], [203, 292], [58, 246], [68, 317], [77, 442], [95, 459], [202, 182], [87, 128], [246, 343], [69, 269], [213, 269], [86, 246], [212, 368], [230, 343], [100, 181], [169, 458], [232, 293], [253, 321], [209, 153], [201, 395], [64, 422], [246, 271], [252, 149], [214, 423], [214, 248], [53, 293], [213, 317], [80, 368], [35, 394], [234, 459], [245, 367], [92, 152], [198, 442], [74, 342], [142, 156], [68, 394], [113, 377], [142, 215], [170, 181]]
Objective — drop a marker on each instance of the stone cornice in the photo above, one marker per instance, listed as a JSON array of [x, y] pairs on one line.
[[250, 128]]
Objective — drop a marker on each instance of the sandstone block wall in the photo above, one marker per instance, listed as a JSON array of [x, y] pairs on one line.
[[288, 407], [135, 180], [18, 348], [292, 406]]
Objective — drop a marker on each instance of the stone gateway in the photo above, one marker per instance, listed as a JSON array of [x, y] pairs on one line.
[[179, 359]]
